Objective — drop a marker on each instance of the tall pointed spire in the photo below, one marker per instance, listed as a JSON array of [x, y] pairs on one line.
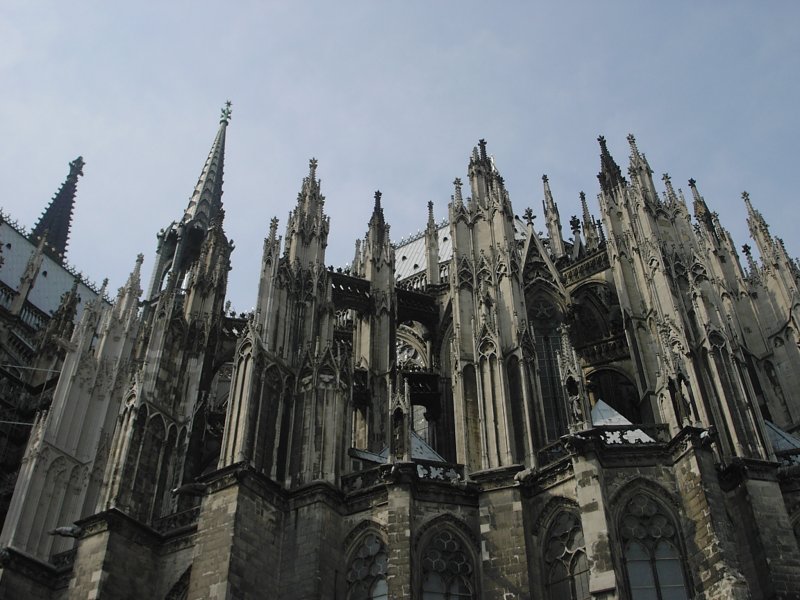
[[589, 227], [759, 231], [701, 212], [56, 219], [432, 248], [610, 175], [553, 221], [206, 199]]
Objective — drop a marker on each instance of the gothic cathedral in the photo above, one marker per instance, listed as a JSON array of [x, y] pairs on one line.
[[481, 411]]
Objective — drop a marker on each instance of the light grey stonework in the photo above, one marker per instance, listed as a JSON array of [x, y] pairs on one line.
[[479, 411]]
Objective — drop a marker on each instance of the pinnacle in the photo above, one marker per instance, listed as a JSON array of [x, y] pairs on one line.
[[56, 220], [206, 198]]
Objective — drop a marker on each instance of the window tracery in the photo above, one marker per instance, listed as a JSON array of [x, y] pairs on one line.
[[366, 574], [566, 566], [653, 560], [447, 571]]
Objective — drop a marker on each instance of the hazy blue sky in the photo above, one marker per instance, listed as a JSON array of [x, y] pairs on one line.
[[389, 96]]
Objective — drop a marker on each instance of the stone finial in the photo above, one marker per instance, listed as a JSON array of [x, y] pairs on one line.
[[747, 250], [632, 141], [482, 145], [544, 178], [575, 224], [312, 169], [225, 113], [529, 216], [457, 184], [378, 199]]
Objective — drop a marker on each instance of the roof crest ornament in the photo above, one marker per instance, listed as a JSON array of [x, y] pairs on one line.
[[225, 113]]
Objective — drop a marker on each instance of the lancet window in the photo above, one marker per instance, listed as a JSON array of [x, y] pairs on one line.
[[366, 574], [447, 569], [653, 559], [566, 567]]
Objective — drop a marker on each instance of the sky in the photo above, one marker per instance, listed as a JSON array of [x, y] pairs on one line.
[[389, 96]]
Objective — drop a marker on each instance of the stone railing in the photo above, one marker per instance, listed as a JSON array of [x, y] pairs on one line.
[[422, 470], [63, 560], [33, 317], [177, 520], [604, 350], [438, 471], [788, 458], [550, 454], [633, 435], [361, 480]]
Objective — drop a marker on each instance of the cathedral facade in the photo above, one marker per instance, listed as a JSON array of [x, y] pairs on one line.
[[479, 411]]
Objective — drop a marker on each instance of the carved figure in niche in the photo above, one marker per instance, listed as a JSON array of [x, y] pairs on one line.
[[575, 404], [398, 438], [677, 394]]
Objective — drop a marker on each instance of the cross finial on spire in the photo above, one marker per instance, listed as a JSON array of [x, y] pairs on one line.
[[377, 199], [312, 169], [692, 183], [482, 144], [632, 142], [529, 216], [225, 113], [457, 184], [544, 178], [76, 167]]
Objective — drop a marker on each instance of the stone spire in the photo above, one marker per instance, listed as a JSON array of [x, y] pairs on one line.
[[457, 197], [128, 295], [672, 198], [641, 174], [553, 221], [206, 199], [752, 267], [56, 219], [759, 231], [378, 233], [432, 248], [701, 211], [589, 227], [610, 175]]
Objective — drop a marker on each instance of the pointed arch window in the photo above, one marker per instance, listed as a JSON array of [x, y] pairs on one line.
[[366, 575], [653, 560], [566, 566], [447, 570]]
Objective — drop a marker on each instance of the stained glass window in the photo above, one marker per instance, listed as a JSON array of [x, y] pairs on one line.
[[652, 559], [366, 575], [566, 567], [447, 572]]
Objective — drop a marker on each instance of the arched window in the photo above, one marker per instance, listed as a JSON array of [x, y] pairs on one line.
[[653, 561], [566, 567], [366, 574], [447, 571]]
